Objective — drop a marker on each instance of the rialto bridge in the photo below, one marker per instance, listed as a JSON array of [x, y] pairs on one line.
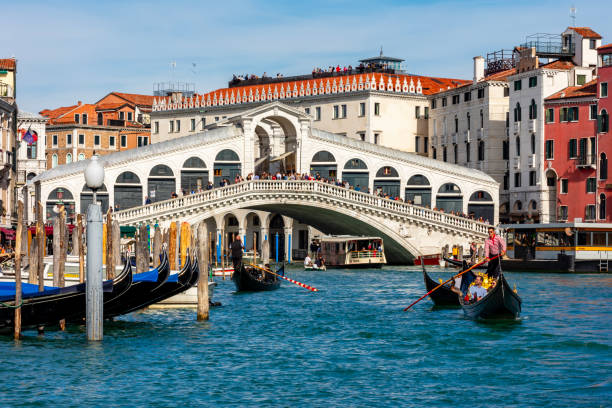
[[272, 138]]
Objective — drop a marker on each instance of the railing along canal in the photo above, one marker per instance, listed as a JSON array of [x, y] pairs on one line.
[[186, 202]]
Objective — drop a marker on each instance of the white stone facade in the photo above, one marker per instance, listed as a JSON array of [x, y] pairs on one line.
[[31, 160]]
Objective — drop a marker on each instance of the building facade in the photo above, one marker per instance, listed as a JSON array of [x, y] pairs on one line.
[[378, 105], [117, 122], [604, 144], [468, 126], [570, 63], [571, 152], [31, 157], [8, 132]]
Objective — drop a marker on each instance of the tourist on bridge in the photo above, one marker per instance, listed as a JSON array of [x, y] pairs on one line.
[[494, 246], [236, 249]]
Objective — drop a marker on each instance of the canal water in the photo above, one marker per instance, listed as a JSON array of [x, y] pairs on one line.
[[349, 344]]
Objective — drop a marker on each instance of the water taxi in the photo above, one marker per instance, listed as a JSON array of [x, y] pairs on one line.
[[560, 247], [344, 251]]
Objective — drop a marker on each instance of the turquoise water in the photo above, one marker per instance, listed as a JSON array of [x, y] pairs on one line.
[[349, 344]]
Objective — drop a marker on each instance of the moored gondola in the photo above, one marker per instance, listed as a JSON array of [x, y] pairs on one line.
[[251, 279], [459, 264], [143, 284], [501, 302], [175, 284]]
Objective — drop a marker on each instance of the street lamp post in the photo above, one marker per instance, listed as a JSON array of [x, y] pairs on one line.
[[94, 179]]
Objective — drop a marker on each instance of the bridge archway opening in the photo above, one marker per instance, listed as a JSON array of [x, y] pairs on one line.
[[449, 198], [324, 164], [481, 205], [277, 233], [57, 197], [283, 142], [161, 183], [387, 181], [262, 149], [227, 166], [128, 191], [356, 173], [87, 198], [194, 174], [418, 191], [253, 231], [231, 227]]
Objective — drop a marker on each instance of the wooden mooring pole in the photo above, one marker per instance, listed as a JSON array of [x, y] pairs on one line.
[[18, 296], [203, 249], [81, 247], [41, 241]]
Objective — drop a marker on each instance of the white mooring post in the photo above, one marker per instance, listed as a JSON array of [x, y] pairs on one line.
[[94, 178]]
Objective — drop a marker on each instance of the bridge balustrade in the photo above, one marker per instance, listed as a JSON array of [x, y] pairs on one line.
[[236, 191]]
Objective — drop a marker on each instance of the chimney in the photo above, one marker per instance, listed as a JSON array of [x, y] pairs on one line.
[[79, 103], [479, 64]]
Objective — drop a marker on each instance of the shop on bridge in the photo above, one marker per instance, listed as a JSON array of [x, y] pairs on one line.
[[356, 173], [481, 205], [387, 181], [194, 174], [449, 198], [227, 166], [161, 183], [128, 191], [418, 191], [324, 164]]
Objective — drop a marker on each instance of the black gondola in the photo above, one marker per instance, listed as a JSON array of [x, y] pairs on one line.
[[500, 303], [175, 284], [443, 296], [250, 279], [459, 264], [141, 289]]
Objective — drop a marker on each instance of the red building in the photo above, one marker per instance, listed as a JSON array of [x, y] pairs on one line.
[[571, 152], [604, 107]]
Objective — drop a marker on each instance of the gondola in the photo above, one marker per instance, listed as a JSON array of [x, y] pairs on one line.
[[443, 296], [141, 289], [175, 284], [500, 303], [250, 279], [49, 306], [459, 264]]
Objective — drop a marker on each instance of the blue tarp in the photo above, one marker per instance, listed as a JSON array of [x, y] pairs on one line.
[[173, 278], [8, 289], [150, 276]]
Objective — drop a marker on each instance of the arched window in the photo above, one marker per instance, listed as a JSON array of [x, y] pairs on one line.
[[481, 150], [602, 206], [81, 156], [518, 146], [387, 181], [533, 110], [387, 171], [533, 143], [356, 174], [444, 158], [481, 119], [323, 157], [355, 164], [456, 153], [468, 120], [518, 206], [418, 191], [161, 183], [434, 153], [481, 205], [456, 124], [194, 175], [128, 191], [517, 112], [54, 160], [604, 121], [60, 196], [603, 167], [69, 158], [449, 198], [227, 155]]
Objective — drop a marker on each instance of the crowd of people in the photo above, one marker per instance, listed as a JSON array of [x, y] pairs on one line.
[[292, 175]]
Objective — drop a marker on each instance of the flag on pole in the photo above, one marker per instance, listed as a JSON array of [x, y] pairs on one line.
[[30, 136]]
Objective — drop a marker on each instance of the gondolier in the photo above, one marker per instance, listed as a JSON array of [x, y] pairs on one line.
[[236, 248], [494, 246]]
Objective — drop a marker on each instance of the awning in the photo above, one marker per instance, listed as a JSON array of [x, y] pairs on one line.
[[49, 229], [8, 233], [282, 156], [126, 230], [263, 159]]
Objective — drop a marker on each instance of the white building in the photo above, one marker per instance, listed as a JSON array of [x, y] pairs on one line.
[[31, 159], [574, 57], [467, 126], [379, 105]]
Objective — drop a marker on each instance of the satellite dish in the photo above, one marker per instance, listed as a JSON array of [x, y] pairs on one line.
[[569, 232]]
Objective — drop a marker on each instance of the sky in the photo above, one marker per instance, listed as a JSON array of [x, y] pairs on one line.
[[71, 51]]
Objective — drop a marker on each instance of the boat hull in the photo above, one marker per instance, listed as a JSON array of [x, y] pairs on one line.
[[443, 296], [246, 281], [500, 303]]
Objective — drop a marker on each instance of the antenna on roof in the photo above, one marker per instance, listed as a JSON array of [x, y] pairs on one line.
[[573, 15], [381, 54]]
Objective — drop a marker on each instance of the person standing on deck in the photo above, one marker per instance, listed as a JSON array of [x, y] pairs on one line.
[[236, 248], [494, 246]]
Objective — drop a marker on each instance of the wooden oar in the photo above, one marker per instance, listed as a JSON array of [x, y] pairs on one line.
[[285, 278], [444, 283]]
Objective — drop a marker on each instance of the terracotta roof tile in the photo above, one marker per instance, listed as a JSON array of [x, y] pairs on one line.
[[586, 32], [111, 105], [8, 63], [606, 47], [559, 64], [136, 98], [586, 90]]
